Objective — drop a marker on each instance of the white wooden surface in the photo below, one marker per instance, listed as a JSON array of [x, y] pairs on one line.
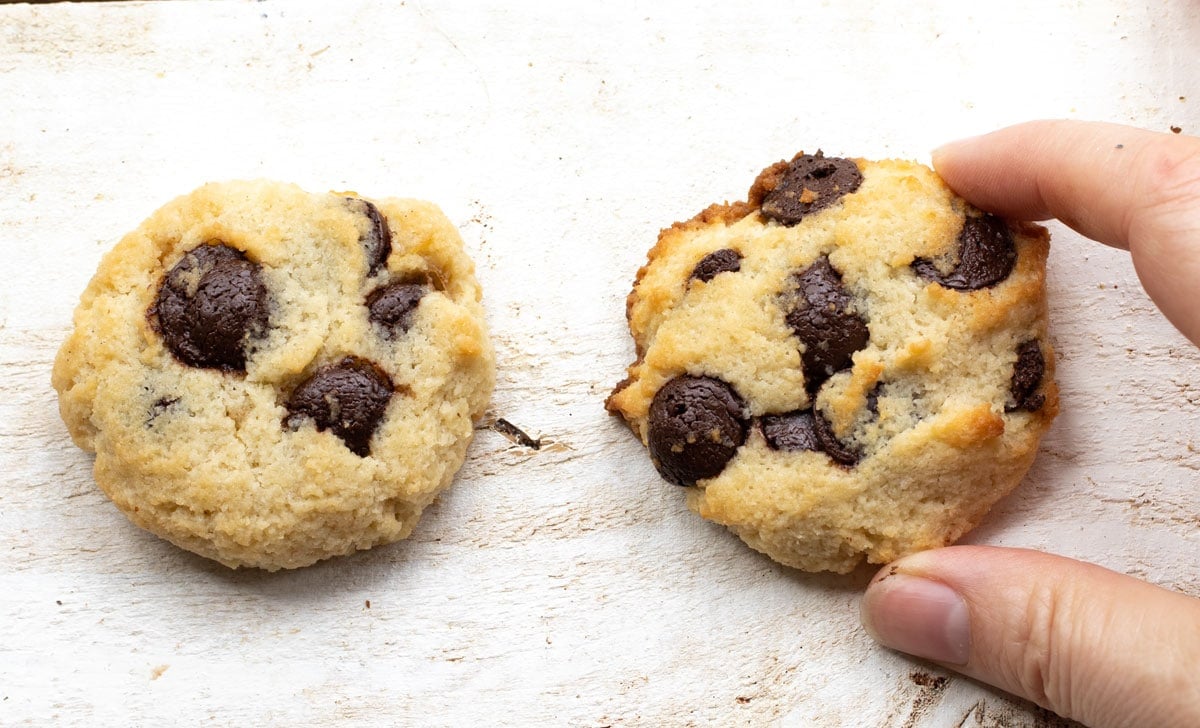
[[568, 585]]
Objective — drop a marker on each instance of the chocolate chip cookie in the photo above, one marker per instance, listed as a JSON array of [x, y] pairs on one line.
[[270, 377], [851, 363]]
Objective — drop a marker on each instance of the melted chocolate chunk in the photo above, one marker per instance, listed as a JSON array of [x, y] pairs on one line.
[[725, 260], [986, 255], [820, 315], [349, 398], [378, 241], [210, 305], [791, 432], [811, 183], [697, 425], [1027, 375], [803, 430], [840, 452], [392, 306]]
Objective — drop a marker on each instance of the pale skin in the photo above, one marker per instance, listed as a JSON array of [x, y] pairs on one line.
[[1085, 642]]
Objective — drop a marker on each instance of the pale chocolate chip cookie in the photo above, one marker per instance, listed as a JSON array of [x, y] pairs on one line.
[[270, 377]]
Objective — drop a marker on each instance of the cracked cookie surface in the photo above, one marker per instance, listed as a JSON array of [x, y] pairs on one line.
[[270, 377], [853, 363]]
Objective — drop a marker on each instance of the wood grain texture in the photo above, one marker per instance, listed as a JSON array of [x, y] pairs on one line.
[[566, 585]]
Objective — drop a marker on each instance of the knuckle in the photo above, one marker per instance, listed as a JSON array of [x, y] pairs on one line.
[[1043, 654], [1171, 173]]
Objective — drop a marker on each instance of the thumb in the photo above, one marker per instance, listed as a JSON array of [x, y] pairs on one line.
[[1088, 643]]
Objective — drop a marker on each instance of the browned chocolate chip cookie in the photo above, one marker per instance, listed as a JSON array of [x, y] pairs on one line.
[[853, 362]]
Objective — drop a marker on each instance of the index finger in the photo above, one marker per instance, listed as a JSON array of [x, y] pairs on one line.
[[1127, 187]]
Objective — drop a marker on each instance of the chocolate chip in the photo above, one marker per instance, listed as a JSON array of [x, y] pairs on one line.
[[818, 309], [811, 183], [160, 406], [841, 453], [392, 306], [377, 243], [725, 260], [986, 255], [349, 398], [873, 399], [791, 432], [697, 425], [1027, 375], [210, 305], [803, 430]]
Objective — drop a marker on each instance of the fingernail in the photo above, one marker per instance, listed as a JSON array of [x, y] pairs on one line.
[[922, 617]]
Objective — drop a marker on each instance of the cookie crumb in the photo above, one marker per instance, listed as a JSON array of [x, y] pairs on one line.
[[157, 672], [892, 571], [515, 434], [367, 604]]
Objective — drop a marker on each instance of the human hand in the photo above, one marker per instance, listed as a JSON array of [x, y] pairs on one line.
[[1088, 643]]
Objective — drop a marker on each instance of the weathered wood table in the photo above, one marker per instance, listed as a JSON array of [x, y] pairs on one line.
[[566, 585]]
